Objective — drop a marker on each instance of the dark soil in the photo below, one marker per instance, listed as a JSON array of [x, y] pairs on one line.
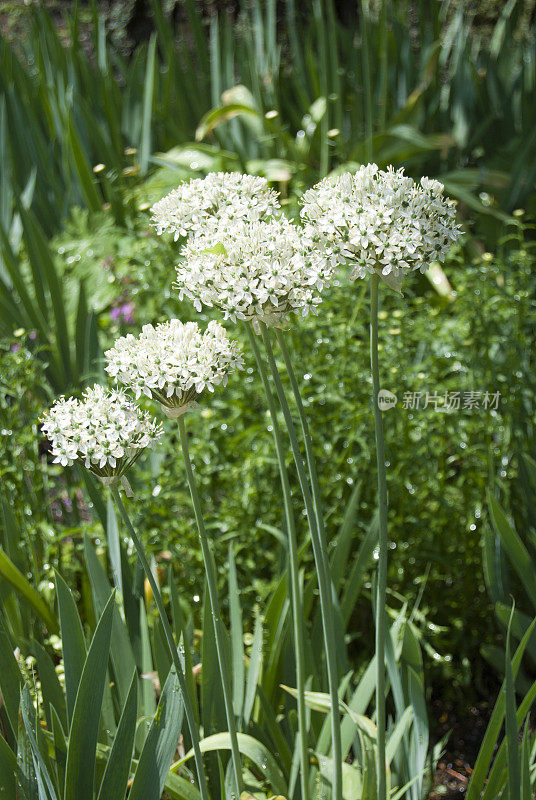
[[454, 768]]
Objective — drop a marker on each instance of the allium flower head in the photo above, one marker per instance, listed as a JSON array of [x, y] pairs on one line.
[[174, 362], [104, 429], [381, 222], [221, 196], [260, 270]]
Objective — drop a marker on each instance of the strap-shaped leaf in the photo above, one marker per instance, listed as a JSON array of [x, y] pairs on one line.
[[10, 573], [179, 788], [525, 763], [321, 701], [43, 267], [272, 727], [250, 748], [347, 531], [114, 781], [516, 550], [51, 688], [397, 734], [121, 653], [510, 721], [30, 724], [161, 743], [8, 769], [148, 92], [181, 628], [352, 585], [10, 682], [94, 490], [237, 638], [352, 778], [83, 170], [74, 646], [487, 748], [213, 710], [255, 663], [80, 769], [60, 746]]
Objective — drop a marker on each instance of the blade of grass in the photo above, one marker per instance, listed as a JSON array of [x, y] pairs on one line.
[[148, 94], [25, 590], [512, 743]]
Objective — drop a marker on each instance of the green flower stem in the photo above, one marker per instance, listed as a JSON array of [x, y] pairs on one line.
[[215, 607], [296, 594], [309, 453], [188, 708], [323, 583], [317, 501], [383, 544]]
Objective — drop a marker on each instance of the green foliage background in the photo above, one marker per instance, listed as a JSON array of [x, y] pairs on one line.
[[289, 98]]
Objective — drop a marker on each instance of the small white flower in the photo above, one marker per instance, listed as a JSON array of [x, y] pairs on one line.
[[261, 270], [174, 362], [221, 196], [381, 222], [104, 429]]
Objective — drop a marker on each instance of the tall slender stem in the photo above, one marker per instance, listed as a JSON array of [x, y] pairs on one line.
[[323, 583], [315, 485], [383, 544], [296, 594], [215, 607], [309, 453], [188, 708]]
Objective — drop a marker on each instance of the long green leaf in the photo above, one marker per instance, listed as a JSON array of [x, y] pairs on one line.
[[74, 646], [255, 664], [516, 550], [81, 755], [8, 769], [354, 581], [148, 92], [217, 116], [10, 682], [122, 657], [250, 748], [485, 754], [182, 632], [60, 747], [525, 763], [10, 573], [321, 701], [41, 259], [512, 744], [161, 743], [339, 559], [50, 686], [237, 638], [31, 727], [398, 733], [352, 779], [82, 168], [499, 772], [179, 788], [114, 781]]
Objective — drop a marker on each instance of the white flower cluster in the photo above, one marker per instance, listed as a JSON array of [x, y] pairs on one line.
[[381, 222], [174, 361], [260, 270], [104, 429], [220, 197]]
